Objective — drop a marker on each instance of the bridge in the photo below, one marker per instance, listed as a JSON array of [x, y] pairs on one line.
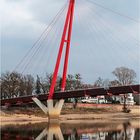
[[92, 92], [54, 110]]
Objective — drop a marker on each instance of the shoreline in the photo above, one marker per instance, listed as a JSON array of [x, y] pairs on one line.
[[76, 118], [114, 113]]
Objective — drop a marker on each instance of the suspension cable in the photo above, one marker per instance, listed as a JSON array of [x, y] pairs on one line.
[[113, 11], [47, 29]]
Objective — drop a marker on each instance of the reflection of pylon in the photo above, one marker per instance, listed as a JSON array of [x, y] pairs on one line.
[[52, 131], [66, 38]]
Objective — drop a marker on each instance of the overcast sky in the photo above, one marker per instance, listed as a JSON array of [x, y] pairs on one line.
[[101, 39]]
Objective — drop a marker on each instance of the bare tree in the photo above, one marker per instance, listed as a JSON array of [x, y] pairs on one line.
[[78, 81], [69, 82], [15, 84], [46, 83], [115, 83], [38, 86], [29, 84], [124, 75], [10, 84], [98, 82]]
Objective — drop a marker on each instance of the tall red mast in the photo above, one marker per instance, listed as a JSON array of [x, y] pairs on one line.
[[65, 39]]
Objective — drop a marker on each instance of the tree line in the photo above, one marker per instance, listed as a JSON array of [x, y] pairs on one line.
[[15, 84]]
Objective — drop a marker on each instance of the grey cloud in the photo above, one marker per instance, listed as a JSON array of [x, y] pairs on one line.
[[90, 53]]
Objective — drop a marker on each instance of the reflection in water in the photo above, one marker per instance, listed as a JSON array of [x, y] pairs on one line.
[[43, 131], [53, 131]]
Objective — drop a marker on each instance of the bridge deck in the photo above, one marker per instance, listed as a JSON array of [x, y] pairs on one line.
[[93, 92]]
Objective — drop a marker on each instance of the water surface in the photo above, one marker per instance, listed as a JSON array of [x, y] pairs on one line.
[[71, 131]]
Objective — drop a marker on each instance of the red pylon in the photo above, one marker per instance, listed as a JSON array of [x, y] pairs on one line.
[[65, 39]]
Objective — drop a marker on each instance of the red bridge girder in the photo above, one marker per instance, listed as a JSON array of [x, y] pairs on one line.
[[93, 92]]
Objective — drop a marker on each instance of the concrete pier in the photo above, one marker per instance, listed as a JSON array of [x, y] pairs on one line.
[[53, 110]]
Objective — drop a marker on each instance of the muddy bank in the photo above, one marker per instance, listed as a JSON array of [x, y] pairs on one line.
[[71, 119], [68, 114], [99, 116]]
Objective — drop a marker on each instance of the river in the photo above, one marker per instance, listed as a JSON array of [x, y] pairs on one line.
[[71, 131]]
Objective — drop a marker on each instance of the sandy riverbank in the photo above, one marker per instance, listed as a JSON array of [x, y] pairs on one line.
[[68, 114], [72, 119]]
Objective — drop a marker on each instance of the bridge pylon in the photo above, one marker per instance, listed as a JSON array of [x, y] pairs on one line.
[[55, 110]]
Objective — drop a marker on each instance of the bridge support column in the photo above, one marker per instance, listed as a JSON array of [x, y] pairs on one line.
[[54, 110], [41, 105]]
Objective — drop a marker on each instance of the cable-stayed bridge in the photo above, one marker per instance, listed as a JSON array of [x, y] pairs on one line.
[[66, 17]]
